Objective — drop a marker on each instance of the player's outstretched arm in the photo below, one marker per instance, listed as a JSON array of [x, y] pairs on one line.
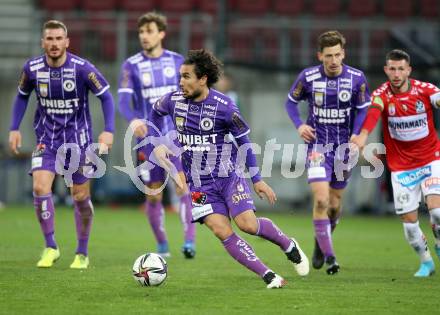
[[263, 190], [105, 139]]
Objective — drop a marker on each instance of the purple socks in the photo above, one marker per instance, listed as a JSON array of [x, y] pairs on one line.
[[269, 231], [156, 217], [189, 228], [323, 236], [83, 219], [244, 254], [45, 211]]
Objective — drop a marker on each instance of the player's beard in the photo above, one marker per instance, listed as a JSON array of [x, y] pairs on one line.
[[194, 95], [150, 50], [398, 87], [56, 57]]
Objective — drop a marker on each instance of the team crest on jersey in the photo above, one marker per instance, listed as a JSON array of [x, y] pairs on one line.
[[206, 124], [240, 187], [405, 108], [194, 109], [146, 78], [344, 95], [55, 75], [391, 109], [68, 85], [331, 84], [43, 89], [169, 72], [198, 198], [180, 123], [319, 98], [420, 107]]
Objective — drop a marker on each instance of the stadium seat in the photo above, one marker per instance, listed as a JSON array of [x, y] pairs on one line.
[[137, 5], [326, 8], [211, 7], [253, 7], [98, 5], [181, 6], [397, 9], [267, 45], [364, 8], [241, 43], [288, 7], [57, 5], [430, 9]]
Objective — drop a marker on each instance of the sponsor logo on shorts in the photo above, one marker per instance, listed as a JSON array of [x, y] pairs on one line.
[[198, 198], [39, 149], [240, 196], [432, 182], [411, 178]]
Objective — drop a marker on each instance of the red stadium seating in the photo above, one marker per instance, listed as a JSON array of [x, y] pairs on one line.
[[288, 7], [137, 5], [429, 8], [98, 5], [57, 5], [211, 7], [180, 6], [253, 7], [241, 43], [364, 8], [397, 9], [326, 8]]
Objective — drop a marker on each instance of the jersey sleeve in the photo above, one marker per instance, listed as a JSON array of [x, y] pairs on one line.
[[162, 105], [434, 95], [237, 125], [125, 84], [377, 99], [25, 84], [363, 98], [297, 91], [94, 80]]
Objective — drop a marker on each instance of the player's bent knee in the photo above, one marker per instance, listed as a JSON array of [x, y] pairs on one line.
[[80, 195], [41, 189], [322, 204]]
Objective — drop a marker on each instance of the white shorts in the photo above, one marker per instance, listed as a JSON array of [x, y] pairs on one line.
[[408, 186]]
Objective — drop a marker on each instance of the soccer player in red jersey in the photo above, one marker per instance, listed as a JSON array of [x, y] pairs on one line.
[[413, 149]]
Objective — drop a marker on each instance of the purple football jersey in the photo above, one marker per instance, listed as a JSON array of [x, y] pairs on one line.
[[148, 79], [204, 131], [332, 101], [62, 114]]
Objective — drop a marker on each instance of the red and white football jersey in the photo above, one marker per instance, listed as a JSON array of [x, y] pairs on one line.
[[410, 138]]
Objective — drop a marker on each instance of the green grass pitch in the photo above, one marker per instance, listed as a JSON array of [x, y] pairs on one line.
[[376, 275]]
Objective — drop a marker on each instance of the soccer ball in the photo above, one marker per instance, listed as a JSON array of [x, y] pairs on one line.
[[150, 270]]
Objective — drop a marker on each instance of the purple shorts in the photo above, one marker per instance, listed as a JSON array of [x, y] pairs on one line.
[[44, 158], [326, 167], [150, 172], [226, 196]]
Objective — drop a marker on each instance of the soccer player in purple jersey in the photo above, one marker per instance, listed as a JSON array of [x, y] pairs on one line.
[[338, 99], [61, 82], [145, 77], [207, 122]]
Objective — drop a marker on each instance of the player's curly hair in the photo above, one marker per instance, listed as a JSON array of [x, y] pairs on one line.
[[330, 39], [153, 17], [205, 63]]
